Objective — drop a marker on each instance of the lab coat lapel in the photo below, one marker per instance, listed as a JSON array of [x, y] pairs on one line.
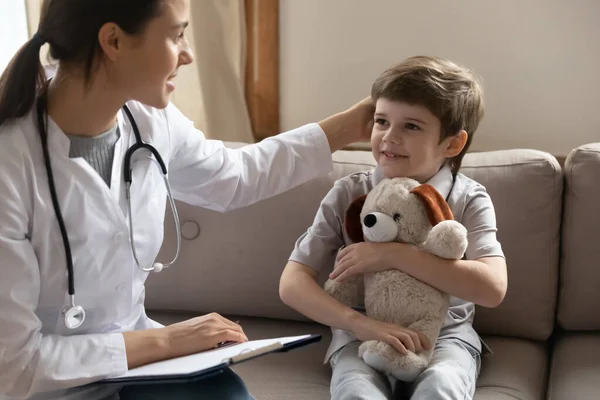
[[59, 146]]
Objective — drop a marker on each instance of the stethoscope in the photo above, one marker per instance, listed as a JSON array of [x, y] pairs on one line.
[[73, 314]]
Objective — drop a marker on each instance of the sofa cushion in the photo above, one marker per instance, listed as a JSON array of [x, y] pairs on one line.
[[297, 375], [518, 369], [526, 189], [235, 263], [575, 368], [579, 293]]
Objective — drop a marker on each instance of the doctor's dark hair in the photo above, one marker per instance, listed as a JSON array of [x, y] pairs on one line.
[[454, 94], [70, 27]]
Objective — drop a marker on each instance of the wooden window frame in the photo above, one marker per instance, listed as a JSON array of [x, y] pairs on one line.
[[262, 66]]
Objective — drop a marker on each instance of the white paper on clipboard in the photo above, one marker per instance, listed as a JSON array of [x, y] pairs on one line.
[[196, 363]]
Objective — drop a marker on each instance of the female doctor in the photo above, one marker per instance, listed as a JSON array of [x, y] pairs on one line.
[[82, 198]]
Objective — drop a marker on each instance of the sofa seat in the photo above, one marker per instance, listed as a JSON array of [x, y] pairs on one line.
[[518, 369], [575, 368], [301, 373], [297, 375]]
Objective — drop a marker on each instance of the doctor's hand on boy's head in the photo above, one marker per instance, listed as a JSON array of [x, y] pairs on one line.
[[350, 126], [202, 333]]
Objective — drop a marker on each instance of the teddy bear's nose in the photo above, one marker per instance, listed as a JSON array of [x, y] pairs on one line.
[[370, 220]]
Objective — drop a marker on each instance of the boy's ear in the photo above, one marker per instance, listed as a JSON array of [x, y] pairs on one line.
[[455, 144], [352, 222], [437, 208]]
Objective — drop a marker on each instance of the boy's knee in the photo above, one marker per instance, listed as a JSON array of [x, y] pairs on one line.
[[358, 387], [446, 381], [359, 384]]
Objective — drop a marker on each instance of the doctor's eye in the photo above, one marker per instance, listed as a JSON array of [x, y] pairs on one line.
[[180, 36], [397, 217]]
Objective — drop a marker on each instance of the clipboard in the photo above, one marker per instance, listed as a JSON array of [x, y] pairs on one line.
[[208, 363]]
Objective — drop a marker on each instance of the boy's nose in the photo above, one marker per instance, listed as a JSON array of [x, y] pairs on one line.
[[391, 137]]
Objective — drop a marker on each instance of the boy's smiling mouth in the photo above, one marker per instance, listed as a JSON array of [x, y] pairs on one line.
[[393, 156]]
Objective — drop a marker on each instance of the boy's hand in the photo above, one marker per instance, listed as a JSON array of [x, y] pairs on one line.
[[402, 339], [360, 258]]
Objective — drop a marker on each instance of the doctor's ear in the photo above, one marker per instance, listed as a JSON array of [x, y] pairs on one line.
[[110, 38], [453, 145]]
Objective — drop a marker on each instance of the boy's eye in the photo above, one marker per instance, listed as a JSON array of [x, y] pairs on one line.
[[412, 127], [380, 121]]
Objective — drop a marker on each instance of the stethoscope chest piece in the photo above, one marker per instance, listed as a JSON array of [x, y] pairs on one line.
[[74, 316]]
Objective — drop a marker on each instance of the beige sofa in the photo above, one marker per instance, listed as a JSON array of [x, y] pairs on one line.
[[231, 264]]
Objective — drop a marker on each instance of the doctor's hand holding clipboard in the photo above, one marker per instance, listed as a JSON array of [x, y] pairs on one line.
[[81, 152]]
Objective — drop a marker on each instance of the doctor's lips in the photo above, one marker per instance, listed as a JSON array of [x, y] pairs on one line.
[[170, 82]]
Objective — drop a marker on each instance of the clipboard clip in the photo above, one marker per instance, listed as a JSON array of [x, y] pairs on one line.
[[248, 354]]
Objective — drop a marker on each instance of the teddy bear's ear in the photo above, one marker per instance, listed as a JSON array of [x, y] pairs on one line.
[[437, 208], [352, 222]]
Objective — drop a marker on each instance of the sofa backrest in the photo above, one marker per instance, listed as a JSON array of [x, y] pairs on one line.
[[526, 189], [234, 264], [579, 294]]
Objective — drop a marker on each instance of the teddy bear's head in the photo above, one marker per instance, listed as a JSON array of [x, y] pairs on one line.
[[398, 209]]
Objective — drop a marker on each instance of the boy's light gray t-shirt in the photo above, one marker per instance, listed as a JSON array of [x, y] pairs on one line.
[[471, 206]]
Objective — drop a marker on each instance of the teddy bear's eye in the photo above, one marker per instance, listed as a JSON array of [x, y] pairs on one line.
[[396, 217]]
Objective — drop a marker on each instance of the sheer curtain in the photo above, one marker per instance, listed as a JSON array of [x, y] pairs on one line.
[[211, 90]]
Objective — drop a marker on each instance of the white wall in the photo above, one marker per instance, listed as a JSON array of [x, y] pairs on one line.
[[13, 29], [540, 61]]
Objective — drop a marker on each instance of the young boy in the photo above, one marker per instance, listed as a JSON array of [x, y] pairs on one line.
[[427, 111]]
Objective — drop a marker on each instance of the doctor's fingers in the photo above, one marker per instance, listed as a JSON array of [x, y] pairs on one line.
[[230, 335], [227, 322]]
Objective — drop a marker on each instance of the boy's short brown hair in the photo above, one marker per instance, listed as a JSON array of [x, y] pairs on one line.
[[452, 93]]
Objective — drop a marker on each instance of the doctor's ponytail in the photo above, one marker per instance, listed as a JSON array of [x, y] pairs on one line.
[[71, 29], [22, 79]]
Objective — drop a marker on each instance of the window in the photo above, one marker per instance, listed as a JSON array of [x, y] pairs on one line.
[[13, 29]]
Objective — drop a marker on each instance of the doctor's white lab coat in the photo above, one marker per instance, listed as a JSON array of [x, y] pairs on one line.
[[39, 357]]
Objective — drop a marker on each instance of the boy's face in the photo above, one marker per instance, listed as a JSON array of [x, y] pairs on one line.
[[406, 141]]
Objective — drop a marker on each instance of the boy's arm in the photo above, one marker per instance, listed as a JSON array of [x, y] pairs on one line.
[[482, 279], [315, 252], [299, 289]]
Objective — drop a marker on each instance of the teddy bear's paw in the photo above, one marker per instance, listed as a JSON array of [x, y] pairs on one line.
[[448, 239], [378, 355], [409, 368], [383, 357]]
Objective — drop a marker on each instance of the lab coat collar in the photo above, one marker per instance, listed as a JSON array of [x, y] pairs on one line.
[[59, 142], [442, 181]]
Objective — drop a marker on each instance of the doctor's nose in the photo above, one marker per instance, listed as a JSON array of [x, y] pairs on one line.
[[186, 57]]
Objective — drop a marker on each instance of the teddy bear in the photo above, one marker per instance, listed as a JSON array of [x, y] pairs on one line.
[[400, 210]]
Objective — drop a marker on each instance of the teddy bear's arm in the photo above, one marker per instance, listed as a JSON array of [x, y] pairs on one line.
[[448, 239]]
